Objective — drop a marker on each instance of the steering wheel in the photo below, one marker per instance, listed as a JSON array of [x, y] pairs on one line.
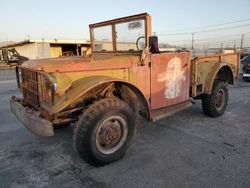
[[137, 43]]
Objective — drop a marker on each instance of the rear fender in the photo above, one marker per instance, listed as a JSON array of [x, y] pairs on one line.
[[220, 71]]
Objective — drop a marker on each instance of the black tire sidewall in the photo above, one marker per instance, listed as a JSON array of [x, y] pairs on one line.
[[87, 126], [209, 101]]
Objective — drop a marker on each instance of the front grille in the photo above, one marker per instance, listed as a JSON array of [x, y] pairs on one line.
[[34, 85]]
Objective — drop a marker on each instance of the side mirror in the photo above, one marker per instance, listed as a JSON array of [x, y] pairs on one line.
[[153, 44]]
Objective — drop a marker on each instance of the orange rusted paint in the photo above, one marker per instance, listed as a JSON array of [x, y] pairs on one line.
[[169, 79], [162, 81], [73, 64]]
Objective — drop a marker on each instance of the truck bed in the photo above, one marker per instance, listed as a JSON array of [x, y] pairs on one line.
[[204, 68]]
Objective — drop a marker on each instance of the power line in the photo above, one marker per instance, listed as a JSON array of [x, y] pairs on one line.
[[237, 37], [233, 40], [207, 39], [231, 43], [219, 29], [216, 25], [227, 23], [204, 31], [210, 40]]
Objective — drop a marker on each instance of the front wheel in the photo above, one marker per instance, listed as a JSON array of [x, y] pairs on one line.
[[105, 131], [215, 104]]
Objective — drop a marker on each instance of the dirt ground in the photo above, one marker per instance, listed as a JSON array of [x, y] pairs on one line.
[[185, 150]]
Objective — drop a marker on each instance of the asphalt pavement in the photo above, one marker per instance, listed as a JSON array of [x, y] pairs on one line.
[[188, 149]]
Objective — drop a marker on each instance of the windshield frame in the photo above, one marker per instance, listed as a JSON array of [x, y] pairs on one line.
[[145, 17]]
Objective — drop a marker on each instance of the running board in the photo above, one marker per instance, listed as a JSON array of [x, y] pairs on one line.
[[168, 111]]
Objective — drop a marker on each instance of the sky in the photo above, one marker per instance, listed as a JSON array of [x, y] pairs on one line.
[[65, 19]]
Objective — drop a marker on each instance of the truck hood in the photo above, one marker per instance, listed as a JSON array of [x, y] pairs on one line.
[[77, 64]]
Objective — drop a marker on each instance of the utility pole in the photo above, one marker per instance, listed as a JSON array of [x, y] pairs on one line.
[[221, 46], [192, 41], [241, 43]]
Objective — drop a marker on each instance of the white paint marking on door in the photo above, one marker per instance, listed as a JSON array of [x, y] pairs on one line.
[[173, 77]]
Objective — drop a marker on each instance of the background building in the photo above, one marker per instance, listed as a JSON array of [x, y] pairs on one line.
[[40, 49]]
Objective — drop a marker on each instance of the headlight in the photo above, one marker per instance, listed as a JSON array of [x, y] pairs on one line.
[[20, 73], [55, 86]]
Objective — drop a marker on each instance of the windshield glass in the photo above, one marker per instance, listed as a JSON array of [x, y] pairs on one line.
[[102, 40], [130, 36]]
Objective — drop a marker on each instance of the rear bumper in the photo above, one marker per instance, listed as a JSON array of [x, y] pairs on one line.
[[30, 119]]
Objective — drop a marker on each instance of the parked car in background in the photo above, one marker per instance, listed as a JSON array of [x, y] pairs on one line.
[[246, 68]]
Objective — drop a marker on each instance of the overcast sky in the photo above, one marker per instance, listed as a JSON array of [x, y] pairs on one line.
[[69, 19]]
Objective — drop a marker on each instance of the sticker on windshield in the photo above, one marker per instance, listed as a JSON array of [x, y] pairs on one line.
[[135, 25]]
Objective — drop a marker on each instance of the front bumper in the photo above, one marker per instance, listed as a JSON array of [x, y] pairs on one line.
[[30, 119]]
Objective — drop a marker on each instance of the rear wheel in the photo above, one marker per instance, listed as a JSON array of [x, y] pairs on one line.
[[215, 104], [104, 132]]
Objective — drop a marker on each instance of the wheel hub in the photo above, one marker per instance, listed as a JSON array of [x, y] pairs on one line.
[[111, 134], [219, 101]]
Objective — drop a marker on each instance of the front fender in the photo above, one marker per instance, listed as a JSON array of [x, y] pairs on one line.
[[79, 88], [213, 73]]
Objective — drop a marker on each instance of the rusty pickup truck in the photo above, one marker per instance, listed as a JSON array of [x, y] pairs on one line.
[[126, 78]]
